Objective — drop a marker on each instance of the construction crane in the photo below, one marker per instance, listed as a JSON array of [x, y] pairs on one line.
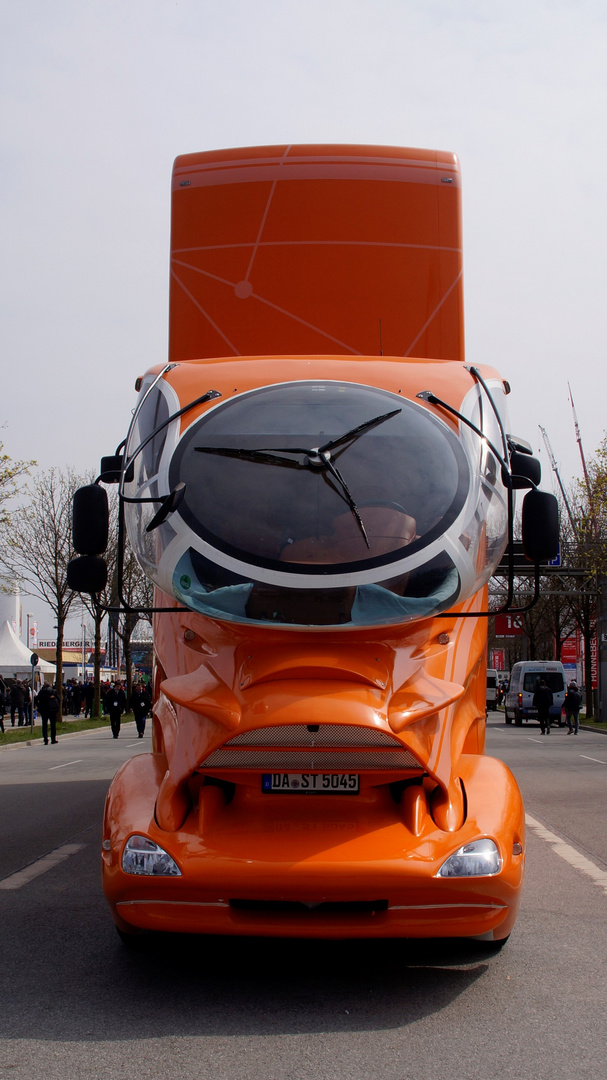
[[586, 476], [579, 442], [555, 470]]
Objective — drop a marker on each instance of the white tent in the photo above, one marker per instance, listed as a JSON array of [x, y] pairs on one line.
[[15, 656]]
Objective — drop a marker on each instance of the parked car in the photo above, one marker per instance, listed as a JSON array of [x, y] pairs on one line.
[[524, 681]]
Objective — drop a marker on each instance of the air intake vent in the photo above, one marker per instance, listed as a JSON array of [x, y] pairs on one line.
[[309, 761], [327, 907], [325, 735], [309, 748]]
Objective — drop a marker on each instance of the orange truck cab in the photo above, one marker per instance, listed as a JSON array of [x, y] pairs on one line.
[[319, 488]]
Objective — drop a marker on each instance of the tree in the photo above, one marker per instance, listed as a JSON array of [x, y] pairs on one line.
[[37, 547], [10, 474], [138, 591], [96, 607]]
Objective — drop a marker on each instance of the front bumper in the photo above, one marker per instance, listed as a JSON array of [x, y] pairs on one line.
[[319, 866]]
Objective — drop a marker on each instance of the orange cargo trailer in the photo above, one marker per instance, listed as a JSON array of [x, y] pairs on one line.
[[319, 488]]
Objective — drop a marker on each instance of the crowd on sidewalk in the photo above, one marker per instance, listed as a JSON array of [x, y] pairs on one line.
[[77, 698]]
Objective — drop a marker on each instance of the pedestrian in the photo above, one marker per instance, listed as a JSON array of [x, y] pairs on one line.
[[542, 700], [77, 692], [47, 701], [89, 695], [28, 703], [115, 704], [2, 703], [573, 701], [17, 697], [140, 704]]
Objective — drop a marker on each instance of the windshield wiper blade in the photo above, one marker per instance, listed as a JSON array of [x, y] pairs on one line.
[[356, 431], [264, 457], [350, 500]]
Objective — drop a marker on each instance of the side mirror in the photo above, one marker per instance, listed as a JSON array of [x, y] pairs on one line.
[[516, 443], [110, 469], [526, 470], [90, 520], [540, 526], [87, 574]]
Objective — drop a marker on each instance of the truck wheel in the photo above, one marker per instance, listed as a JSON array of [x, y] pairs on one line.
[[507, 716], [494, 946], [135, 941], [518, 720]]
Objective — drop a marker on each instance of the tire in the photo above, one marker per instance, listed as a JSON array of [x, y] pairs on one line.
[[507, 717], [135, 941], [494, 946], [518, 720]]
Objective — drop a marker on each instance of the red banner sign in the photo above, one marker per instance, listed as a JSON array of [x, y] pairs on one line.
[[508, 626], [497, 659], [569, 651]]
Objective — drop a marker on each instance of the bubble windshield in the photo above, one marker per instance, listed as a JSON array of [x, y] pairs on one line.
[[310, 475]]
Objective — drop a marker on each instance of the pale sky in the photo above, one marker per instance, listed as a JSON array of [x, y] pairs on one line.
[[99, 96]]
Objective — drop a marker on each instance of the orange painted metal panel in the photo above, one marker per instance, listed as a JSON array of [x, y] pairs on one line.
[[316, 249]]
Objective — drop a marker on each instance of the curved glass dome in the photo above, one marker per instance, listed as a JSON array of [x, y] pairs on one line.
[[313, 503], [319, 477]]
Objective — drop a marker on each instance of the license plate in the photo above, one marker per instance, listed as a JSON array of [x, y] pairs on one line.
[[311, 783]]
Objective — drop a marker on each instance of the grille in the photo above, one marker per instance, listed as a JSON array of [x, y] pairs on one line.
[[305, 748], [302, 735]]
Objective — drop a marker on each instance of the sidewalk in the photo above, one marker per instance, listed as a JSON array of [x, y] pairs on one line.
[[27, 737]]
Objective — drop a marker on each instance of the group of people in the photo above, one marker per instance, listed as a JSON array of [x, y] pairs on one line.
[[543, 699], [17, 697], [76, 696], [114, 705]]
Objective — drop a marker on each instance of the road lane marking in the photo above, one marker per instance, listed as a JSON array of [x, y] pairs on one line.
[[569, 853], [593, 759], [65, 765], [531, 739], [47, 862]]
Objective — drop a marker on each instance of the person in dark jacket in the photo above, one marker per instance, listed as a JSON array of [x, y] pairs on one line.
[[573, 701], [47, 701], [140, 704], [115, 704], [89, 697], [2, 703], [17, 695], [542, 700]]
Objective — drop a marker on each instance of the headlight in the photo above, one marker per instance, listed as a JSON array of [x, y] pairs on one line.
[[143, 856], [480, 858]]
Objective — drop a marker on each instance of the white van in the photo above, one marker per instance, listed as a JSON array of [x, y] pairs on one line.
[[491, 688], [524, 681]]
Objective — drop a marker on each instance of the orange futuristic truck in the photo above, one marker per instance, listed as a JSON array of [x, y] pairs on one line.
[[319, 488]]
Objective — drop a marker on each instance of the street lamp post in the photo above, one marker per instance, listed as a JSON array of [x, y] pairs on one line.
[[30, 615]]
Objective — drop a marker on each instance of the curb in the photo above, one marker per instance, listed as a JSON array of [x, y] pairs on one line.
[[64, 735]]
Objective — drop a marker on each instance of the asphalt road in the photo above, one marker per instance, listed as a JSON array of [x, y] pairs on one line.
[[76, 1004]]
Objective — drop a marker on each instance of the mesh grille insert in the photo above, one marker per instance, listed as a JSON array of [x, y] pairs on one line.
[[310, 760], [317, 735]]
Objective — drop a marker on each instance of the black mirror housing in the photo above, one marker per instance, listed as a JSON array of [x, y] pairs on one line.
[[110, 469], [524, 468], [90, 520], [87, 574], [540, 526]]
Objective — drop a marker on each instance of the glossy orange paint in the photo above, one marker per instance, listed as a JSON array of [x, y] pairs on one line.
[[295, 265]]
